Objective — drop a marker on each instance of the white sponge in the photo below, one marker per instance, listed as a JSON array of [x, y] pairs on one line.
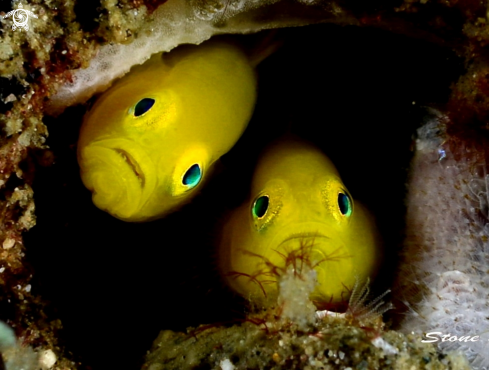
[[173, 23]]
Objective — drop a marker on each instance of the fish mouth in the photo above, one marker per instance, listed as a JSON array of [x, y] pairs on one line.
[[304, 236], [133, 164], [131, 153], [120, 174], [312, 247]]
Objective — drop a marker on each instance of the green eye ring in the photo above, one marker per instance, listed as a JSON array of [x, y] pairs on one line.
[[345, 204], [192, 176], [260, 206], [143, 106]]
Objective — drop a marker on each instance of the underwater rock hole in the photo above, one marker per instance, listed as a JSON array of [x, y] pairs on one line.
[[355, 92]]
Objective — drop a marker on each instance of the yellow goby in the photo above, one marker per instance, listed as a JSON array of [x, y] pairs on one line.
[[299, 213], [148, 143]]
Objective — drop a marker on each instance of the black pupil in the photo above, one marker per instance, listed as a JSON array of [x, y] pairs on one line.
[[261, 206], [344, 203], [143, 106]]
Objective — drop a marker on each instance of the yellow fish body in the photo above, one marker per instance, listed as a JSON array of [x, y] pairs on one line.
[[299, 213], [148, 143]]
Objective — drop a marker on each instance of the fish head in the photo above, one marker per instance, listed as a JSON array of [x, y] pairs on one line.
[[135, 156], [300, 216], [149, 142]]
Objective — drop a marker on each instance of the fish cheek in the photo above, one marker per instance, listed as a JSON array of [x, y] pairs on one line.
[[335, 280], [337, 201], [266, 206]]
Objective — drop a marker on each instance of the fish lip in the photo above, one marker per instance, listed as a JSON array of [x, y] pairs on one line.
[[303, 235], [136, 168], [308, 234], [309, 247], [125, 149]]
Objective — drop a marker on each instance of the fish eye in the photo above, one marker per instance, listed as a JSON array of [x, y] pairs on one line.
[[345, 204], [143, 106], [193, 176], [260, 206]]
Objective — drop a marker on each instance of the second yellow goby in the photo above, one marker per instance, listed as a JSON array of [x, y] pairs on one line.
[[300, 215]]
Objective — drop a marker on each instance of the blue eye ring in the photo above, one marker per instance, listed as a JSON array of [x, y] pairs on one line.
[[260, 206], [192, 176], [345, 204], [143, 106]]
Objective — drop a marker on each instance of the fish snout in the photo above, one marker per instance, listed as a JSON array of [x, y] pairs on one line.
[[116, 174], [312, 248]]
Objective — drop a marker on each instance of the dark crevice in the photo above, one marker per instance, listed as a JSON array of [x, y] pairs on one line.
[[344, 88]]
